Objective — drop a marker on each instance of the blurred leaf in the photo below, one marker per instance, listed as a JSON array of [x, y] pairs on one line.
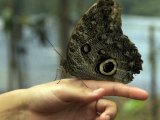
[[133, 106], [141, 7]]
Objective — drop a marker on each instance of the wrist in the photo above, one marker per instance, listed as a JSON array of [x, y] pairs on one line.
[[13, 105]]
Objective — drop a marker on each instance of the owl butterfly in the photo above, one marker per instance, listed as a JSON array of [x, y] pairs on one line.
[[99, 50]]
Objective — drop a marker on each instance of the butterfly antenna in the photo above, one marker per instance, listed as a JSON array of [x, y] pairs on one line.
[[53, 46]]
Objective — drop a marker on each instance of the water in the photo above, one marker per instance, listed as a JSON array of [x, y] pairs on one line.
[[43, 62]]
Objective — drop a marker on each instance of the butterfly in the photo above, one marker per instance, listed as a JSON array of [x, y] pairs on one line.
[[98, 49]]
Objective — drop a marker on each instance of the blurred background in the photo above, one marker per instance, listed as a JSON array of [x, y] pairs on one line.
[[27, 58]]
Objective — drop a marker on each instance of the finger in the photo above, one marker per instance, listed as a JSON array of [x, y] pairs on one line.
[[118, 89], [107, 108], [70, 93]]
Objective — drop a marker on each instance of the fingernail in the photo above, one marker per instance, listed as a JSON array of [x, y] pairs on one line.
[[108, 117]]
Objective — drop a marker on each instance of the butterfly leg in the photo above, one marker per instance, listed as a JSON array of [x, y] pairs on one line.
[[59, 81], [58, 74], [84, 84]]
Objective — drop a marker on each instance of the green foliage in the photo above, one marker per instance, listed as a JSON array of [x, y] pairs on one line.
[[137, 7], [2, 3], [40, 6], [133, 106], [133, 110], [141, 7]]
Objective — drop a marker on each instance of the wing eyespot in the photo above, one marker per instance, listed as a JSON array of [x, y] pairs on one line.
[[108, 67]]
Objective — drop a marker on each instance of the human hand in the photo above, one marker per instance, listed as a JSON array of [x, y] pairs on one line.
[[72, 100]]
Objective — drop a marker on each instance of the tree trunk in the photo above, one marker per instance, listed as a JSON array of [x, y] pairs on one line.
[[63, 29], [80, 7], [154, 99], [63, 25], [13, 27]]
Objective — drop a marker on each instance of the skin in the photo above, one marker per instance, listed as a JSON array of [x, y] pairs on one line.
[[69, 100]]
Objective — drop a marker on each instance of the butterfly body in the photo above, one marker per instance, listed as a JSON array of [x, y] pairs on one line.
[[99, 50]]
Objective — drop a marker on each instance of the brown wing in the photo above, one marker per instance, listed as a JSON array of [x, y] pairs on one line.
[[97, 48]]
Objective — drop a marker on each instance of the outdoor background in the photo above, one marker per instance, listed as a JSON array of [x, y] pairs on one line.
[[28, 59]]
